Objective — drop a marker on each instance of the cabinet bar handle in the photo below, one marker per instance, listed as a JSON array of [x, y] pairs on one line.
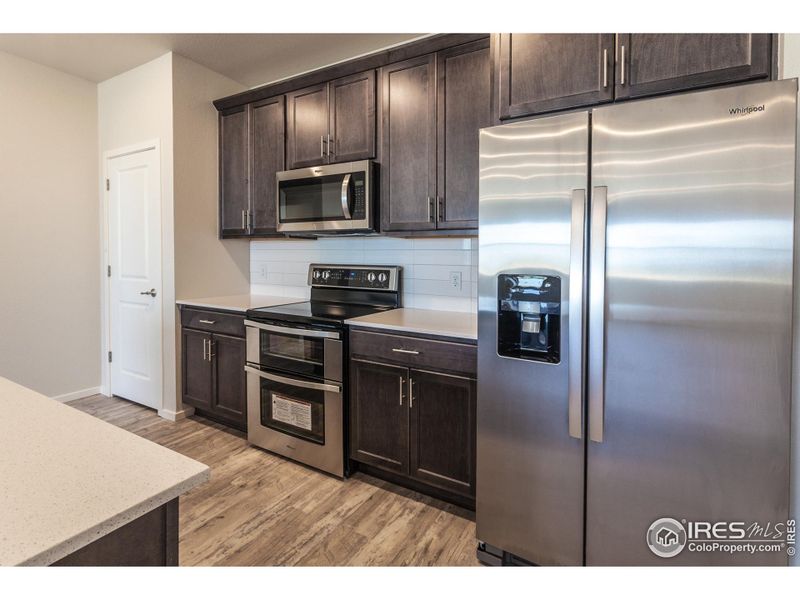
[[322, 146], [244, 225], [206, 321], [210, 354], [622, 65], [405, 351], [401, 391], [329, 145], [430, 208], [205, 351], [410, 392], [605, 67]]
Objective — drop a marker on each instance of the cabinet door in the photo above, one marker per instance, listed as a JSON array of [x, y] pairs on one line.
[[379, 415], [307, 127], [542, 72], [230, 383], [267, 129], [463, 109], [654, 63], [352, 118], [196, 369], [408, 144], [442, 431], [233, 184]]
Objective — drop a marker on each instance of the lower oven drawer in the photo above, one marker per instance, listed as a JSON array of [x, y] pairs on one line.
[[297, 418]]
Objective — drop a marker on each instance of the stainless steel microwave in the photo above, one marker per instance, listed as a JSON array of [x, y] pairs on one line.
[[333, 198]]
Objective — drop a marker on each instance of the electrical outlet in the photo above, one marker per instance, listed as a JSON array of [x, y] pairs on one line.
[[264, 272], [455, 279]]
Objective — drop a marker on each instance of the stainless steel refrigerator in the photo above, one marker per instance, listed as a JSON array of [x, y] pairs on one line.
[[634, 328]]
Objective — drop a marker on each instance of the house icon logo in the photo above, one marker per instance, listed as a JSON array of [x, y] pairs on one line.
[[666, 537]]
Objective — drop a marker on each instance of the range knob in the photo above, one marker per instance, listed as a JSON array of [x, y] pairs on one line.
[[316, 274], [326, 275], [382, 277], [371, 277]]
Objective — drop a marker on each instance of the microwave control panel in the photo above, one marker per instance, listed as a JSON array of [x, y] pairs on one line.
[[359, 197]]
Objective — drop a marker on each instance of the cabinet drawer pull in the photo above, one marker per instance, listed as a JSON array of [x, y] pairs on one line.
[[206, 322], [401, 391], [410, 392], [405, 351]]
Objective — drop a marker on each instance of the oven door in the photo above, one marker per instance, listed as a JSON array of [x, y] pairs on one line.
[[297, 418], [311, 353], [331, 197]]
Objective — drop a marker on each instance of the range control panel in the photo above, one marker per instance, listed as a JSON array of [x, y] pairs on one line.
[[358, 277]]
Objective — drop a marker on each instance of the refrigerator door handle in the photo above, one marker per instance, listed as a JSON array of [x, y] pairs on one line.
[[575, 365], [597, 292]]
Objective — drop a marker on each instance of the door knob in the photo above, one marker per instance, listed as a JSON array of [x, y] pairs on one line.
[[152, 293]]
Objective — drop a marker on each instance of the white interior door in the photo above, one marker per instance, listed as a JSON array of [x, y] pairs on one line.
[[134, 236]]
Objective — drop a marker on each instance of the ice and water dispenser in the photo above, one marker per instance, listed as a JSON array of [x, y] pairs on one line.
[[529, 316]]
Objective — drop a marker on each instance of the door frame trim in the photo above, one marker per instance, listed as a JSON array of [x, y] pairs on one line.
[[105, 287]]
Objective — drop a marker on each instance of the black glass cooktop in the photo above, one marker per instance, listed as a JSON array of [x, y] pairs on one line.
[[314, 312]]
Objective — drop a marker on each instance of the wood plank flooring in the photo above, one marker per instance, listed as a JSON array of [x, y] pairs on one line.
[[260, 509]]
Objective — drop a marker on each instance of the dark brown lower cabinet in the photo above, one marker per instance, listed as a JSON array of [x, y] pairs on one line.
[[228, 356], [414, 426], [212, 373], [442, 440], [379, 416]]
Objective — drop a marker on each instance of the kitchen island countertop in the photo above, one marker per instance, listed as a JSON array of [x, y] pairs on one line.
[[68, 478]]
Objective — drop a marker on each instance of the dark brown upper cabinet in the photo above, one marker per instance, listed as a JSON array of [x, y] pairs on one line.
[[267, 135], [307, 126], [233, 172], [432, 109], [463, 108], [352, 118], [537, 73], [408, 149], [652, 63], [251, 152], [331, 122]]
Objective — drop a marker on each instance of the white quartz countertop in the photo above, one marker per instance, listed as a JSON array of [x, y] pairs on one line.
[[240, 303], [431, 322], [68, 478]]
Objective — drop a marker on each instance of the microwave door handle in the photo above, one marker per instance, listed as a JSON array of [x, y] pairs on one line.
[[346, 197], [310, 385]]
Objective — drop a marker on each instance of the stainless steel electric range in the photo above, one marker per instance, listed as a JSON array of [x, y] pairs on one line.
[[296, 363]]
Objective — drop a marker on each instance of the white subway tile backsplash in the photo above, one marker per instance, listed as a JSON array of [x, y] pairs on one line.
[[280, 267]]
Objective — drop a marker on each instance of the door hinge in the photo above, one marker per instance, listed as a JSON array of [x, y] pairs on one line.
[[108, 184], [109, 270], [109, 356]]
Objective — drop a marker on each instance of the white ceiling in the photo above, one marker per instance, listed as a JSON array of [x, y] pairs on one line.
[[249, 58]]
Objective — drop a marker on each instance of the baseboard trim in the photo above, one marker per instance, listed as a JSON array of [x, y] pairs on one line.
[[171, 415], [92, 391]]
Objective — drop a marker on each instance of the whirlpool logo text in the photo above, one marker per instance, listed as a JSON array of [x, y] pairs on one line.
[[746, 110]]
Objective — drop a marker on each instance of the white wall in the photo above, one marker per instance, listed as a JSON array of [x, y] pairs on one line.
[[204, 265], [135, 108], [280, 267], [789, 59], [49, 230]]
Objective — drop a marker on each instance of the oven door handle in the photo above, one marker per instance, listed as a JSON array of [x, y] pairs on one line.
[[294, 330], [311, 385], [346, 197]]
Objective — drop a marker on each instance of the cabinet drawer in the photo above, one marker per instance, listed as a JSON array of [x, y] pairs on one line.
[[214, 322], [414, 352]]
